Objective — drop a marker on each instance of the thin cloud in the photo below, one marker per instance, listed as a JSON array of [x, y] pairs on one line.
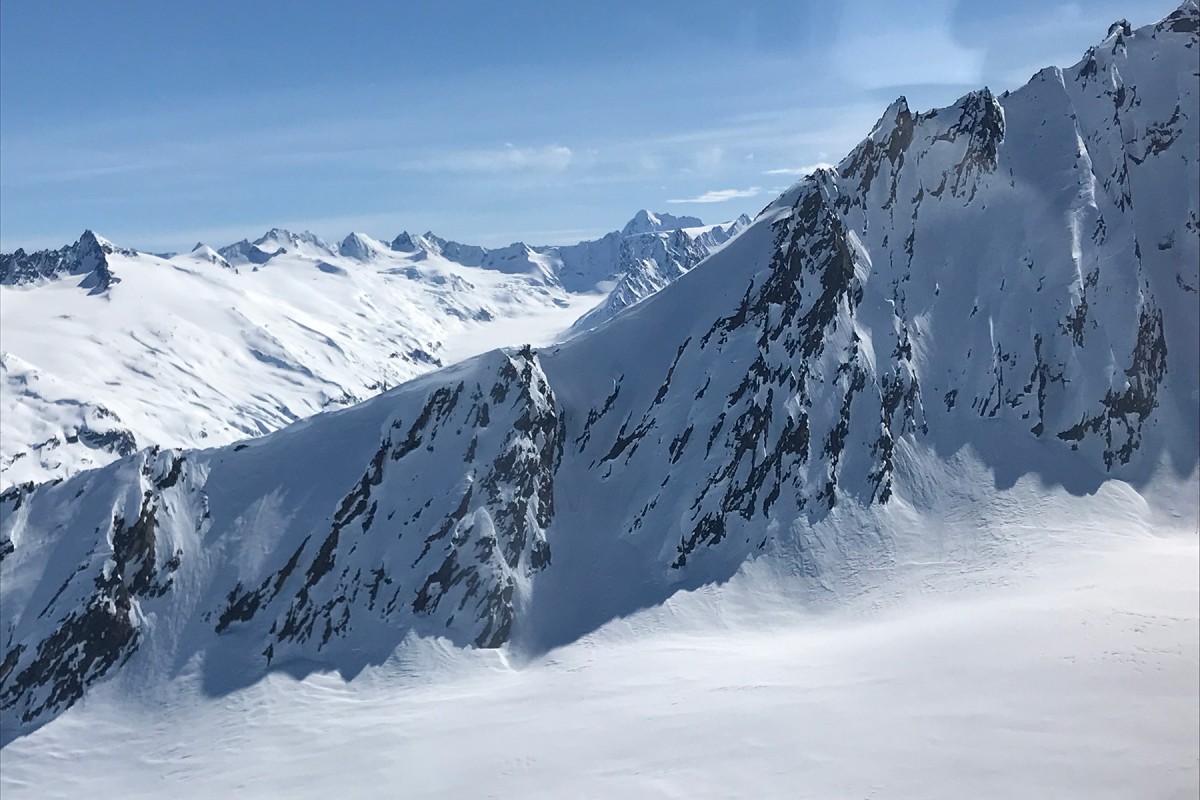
[[89, 172], [922, 46], [798, 171], [710, 158], [721, 195], [552, 158]]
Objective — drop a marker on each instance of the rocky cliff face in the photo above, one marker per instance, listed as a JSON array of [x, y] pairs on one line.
[[441, 532], [402, 550], [1013, 276], [649, 252], [87, 260], [648, 261]]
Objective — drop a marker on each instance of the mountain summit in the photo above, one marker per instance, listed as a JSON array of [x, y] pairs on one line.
[[647, 222], [86, 259]]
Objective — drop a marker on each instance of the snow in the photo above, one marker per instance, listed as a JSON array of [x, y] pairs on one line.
[[210, 347], [1068, 666], [649, 221], [186, 353], [893, 495], [539, 327]]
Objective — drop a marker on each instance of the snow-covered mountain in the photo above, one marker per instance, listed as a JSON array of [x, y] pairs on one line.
[[87, 260], [650, 222], [998, 292], [276, 242], [650, 260], [652, 250], [107, 350], [596, 264]]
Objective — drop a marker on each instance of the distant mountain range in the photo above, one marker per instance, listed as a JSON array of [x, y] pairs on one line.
[[107, 350]]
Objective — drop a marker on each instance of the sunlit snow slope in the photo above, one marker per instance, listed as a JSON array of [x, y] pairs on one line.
[[105, 351], [193, 351], [987, 306], [1061, 661]]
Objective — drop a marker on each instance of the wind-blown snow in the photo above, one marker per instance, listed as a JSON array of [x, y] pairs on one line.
[[1063, 664]]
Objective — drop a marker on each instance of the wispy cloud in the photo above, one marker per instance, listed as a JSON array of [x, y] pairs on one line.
[[509, 158], [922, 47], [808, 170], [709, 159], [84, 173], [720, 195], [538, 237]]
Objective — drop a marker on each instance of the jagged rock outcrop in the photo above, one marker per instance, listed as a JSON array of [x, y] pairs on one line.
[[649, 261], [87, 260], [457, 557], [441, 533], [92, 621]]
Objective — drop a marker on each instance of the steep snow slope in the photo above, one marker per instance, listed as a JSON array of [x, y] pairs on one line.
[[980, 300]]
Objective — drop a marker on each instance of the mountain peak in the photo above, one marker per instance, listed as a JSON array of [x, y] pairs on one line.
[[645, 221], [90, 238], [275, 233], [969, 309], [360, 247], [275, 242], [1185, 19], [203, 252], [87, 257], [405, 243], [283, 236]]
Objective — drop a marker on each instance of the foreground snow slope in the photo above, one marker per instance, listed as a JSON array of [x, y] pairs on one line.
[[996, 294], [1063, 664]]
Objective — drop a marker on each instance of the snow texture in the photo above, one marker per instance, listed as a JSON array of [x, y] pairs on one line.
[[1061, 664], [107, 351], [978, 331]]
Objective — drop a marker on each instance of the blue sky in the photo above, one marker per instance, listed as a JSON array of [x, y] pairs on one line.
[[163, 124]]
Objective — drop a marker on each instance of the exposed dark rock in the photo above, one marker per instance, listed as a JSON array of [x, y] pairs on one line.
[[118, 441], [1124, 413], [86, 259], [1185, 19]]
